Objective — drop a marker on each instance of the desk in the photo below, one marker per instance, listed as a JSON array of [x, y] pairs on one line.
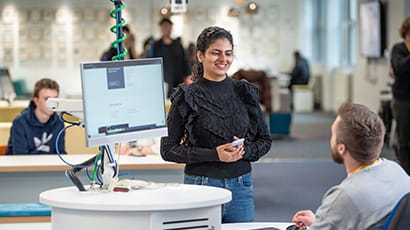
[[8, 113], [239, 226], [174, 206], [256, 225], [23, 177], [4, 132]]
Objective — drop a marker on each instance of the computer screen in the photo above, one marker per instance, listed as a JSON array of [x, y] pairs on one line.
[[123, 100], [7, 91]]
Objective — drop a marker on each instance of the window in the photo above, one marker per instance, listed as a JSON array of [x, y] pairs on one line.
[[348, 26], [345, 13], [319, 30]]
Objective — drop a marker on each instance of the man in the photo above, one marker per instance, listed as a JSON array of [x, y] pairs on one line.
[[300, 73], [177, 67], [373, 185], [35, 130]]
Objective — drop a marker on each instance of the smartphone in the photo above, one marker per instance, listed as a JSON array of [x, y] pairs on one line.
[[237, 142]]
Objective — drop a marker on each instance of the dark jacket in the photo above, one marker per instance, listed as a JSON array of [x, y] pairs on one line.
[[300, 74], [176, 63], [400, 61], [29, 136]]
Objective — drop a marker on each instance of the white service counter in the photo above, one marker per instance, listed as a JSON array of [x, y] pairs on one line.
[[160, 206]]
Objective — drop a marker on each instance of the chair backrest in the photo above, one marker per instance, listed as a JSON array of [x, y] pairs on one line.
[[399, 218]]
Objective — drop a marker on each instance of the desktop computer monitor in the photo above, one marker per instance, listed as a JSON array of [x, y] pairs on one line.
[[7, 91], [123, 100]]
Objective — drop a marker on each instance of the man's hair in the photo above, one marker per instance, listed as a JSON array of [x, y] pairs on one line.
[[45, 83], [405, 27], [296, 54], [165, 20], [361, 131]]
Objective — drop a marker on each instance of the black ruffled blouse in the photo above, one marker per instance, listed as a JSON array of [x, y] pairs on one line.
[[211, 113]]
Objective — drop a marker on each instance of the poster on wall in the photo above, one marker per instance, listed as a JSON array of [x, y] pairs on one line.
[[48, 15], [8, 54], [35, 34], [23, 15], [272, 13], [35, 53], [23, 34], [35, 15]]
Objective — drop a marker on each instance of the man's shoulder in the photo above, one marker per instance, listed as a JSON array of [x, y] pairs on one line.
[[23, 117]]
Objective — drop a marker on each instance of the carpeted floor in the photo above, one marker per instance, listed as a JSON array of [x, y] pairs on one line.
[[282, 188]]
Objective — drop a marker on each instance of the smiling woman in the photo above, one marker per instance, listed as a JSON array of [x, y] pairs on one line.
[[205, 114]]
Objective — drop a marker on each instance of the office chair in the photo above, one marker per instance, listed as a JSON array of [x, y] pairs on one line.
[[399, 218]]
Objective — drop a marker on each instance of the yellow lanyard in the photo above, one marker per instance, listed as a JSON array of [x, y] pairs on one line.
[[408, 46], [364, 166]]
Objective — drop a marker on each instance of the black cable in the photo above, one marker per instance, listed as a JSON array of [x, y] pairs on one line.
[[71, 173]]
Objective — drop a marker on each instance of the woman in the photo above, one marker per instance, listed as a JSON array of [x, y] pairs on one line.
[[206, 116], [400, 62]]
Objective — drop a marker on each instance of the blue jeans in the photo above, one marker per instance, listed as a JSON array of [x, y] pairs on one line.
[[241, 208]]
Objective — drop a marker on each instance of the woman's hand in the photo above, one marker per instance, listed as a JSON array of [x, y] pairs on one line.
[[227, 153]]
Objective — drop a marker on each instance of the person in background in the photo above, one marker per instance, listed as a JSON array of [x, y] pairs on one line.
[[148, 45], [191, 52], [141, 147], [177, 67], [128, 43], [400, 63], [365, 198], [35, 130], [300, 73], [206, 116]]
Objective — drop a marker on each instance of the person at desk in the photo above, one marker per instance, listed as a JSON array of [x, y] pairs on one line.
[[300, 73], [207, 115], [400, 62], [142, 147], [373, 186], [35, 130]]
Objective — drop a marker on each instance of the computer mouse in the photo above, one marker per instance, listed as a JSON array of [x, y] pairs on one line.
[[292, 227]]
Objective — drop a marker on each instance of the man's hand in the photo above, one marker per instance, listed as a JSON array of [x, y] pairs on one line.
[[303, 218]]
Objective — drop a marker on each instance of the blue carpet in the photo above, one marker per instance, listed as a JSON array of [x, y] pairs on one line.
[[282, 188]]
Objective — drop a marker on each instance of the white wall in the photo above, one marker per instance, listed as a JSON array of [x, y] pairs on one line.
[[263, 41]]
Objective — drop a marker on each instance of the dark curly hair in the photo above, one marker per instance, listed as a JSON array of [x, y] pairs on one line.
[[205, 39], [405, 27]]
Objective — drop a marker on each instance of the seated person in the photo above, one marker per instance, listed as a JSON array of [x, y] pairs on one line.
[[34, 131], [373, 186], [142, 147], [300, 73]]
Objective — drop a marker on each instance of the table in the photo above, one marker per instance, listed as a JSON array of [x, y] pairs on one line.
[[8, 113], [239, 226], [163, 206], [256, 225], [23, 177]]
